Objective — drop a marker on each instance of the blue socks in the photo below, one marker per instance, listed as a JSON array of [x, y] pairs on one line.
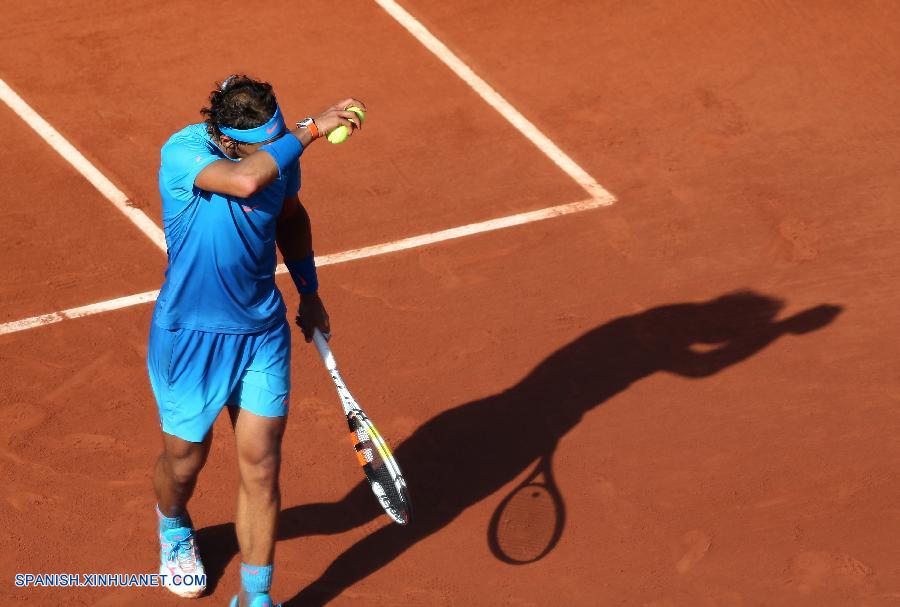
[[167, 523], [256, 580]]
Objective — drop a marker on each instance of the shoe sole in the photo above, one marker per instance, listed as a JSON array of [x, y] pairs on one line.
[[185, 592]]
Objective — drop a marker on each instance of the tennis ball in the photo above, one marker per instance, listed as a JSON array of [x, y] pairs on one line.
[[340, 134]]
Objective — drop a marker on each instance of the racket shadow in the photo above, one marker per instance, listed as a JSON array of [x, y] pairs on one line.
[[529, 521], [468, 452]]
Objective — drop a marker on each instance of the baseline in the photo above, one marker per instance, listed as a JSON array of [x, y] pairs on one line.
[[326, 260]]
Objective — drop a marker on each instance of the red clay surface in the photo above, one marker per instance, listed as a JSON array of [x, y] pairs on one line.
[[436, 157], [715, 452], [63, 244]]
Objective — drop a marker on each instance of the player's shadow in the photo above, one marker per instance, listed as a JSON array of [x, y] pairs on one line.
[[466, 453]]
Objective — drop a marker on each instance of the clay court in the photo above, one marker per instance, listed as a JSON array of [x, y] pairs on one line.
[[678, 289]]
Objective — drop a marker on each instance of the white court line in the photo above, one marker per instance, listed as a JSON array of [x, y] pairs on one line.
[[414, 27], [599, 195], [496, 100], [88, 310], [327, 260], [82, 165]]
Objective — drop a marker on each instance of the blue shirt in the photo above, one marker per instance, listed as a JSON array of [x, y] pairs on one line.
[[221, 249]]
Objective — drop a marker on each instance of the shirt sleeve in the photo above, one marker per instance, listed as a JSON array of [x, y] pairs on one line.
[[181, 160]]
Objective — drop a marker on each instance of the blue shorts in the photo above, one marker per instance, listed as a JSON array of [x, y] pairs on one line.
[[194, 374]]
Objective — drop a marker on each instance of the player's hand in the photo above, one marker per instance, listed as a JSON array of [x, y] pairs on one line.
[[311, 316], [337, 115]]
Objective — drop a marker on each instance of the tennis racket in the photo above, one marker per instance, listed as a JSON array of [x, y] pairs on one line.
[[372, 451], [529, 521]]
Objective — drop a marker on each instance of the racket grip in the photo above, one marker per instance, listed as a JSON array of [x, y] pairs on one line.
[[324, 350]]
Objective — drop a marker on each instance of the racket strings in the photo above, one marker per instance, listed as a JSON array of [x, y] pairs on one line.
[[366, 451], [379, 467]]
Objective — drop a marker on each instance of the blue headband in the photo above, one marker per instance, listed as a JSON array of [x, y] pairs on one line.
[[275, 126]]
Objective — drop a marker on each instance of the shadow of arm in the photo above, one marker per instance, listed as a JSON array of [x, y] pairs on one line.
[[696, 365]]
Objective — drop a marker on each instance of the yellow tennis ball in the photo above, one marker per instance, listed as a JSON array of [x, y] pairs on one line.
[[340, 134]]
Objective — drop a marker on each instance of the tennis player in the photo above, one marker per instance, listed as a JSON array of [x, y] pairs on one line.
[[229, 189]]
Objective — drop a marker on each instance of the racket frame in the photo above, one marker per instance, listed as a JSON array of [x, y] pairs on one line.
[[352, 409]]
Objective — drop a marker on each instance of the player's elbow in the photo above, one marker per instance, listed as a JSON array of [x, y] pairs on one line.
[[245, 186]]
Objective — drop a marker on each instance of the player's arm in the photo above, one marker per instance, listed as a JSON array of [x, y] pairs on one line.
[[293, 231], [245, 178], [293, 234], [265, 162]]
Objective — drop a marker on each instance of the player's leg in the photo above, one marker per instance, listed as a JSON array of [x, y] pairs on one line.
[[191, 379], [176, 471], [259, 461], [259, 496], [259, 413], [174, 479]]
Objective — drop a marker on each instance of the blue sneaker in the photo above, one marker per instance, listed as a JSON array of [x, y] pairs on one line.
[[180, 563], [260, 601]]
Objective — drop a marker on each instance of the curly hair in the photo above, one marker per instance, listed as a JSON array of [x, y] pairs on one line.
[[240, 102]]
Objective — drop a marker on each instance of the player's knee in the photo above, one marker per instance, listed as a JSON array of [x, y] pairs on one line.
[[260, 474], [184, 469], [185, 473]]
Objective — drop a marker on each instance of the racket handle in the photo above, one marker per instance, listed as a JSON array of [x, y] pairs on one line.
[[324, 350]]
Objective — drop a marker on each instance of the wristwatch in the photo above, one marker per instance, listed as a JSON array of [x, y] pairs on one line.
[[310, 124]]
